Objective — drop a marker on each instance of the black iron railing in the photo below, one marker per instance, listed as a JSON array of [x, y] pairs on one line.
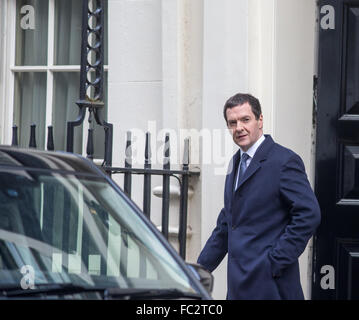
[[182, 175]]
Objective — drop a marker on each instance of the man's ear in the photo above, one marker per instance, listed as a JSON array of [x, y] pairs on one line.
[[261, 121]]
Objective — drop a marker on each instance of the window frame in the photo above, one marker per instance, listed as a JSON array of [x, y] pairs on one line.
[[10, 69]]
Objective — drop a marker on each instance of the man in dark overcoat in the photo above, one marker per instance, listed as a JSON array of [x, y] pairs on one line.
[[270, 211]]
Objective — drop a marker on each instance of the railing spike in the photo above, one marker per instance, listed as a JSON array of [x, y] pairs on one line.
[[14, 141], [90, 146], [147, 178], [50, 139], [166, 152], [148, 148], [32, 143], [128, 164], [182, 234], [166, 187], [108, 127]]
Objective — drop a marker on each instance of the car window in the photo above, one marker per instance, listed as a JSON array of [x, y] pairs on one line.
[[67, 227]]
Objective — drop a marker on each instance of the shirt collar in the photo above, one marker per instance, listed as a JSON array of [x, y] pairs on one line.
[[252, 150]]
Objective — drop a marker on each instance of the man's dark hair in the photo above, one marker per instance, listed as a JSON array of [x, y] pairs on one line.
[[242, 98]]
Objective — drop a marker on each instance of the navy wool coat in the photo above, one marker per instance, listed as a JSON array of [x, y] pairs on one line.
[[264, 226]]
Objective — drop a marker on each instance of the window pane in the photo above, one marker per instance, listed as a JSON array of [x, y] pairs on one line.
[[66, 93], [99, 132], [31, 32], [68, 26], [68, 32], [30, 106]]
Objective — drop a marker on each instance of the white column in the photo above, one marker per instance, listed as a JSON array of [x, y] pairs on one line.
[[170, 63], [262, 57], [155, 74], [135, 68], [225, 72], [295, 48], [281, 69], [134, 78], [7, 60]]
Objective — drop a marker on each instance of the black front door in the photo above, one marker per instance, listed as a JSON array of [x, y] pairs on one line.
[[336, 244]]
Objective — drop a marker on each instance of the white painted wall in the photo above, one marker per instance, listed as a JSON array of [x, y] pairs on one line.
[[7, 53], [282, 59], [294, 70], [225, 72], [155, 84], [174, 63], [135, 78]]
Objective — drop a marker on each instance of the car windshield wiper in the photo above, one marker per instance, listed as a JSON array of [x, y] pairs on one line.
[[148, 294], [49, 289]]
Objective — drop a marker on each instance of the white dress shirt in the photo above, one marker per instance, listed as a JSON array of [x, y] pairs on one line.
[[250, 152]]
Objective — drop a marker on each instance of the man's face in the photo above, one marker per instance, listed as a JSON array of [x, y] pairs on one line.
[[244, 126]]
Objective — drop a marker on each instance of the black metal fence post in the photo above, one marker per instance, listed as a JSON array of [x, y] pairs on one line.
[[166, 188], [32, 143], [15, 140], [127, 190], [108, 127], [128, 164], [50, 139], [90, 146], [182, 233], [147, 178]]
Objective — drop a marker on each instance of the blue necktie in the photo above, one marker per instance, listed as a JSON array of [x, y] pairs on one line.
[[242, 169]]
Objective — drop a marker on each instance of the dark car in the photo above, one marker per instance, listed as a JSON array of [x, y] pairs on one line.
[[67, 231]]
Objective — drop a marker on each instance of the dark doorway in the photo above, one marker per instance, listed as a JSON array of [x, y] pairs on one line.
[[336, 244]]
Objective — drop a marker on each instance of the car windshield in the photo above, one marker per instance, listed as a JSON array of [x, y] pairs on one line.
[[66, 228]]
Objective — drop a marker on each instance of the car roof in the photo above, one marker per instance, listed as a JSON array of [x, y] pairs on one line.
[[15, 157]]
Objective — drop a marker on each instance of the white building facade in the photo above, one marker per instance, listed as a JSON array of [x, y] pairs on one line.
[[170, 67]]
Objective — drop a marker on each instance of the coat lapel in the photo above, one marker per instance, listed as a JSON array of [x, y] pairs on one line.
[[232, 168], [259, 157], [251, 170]]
